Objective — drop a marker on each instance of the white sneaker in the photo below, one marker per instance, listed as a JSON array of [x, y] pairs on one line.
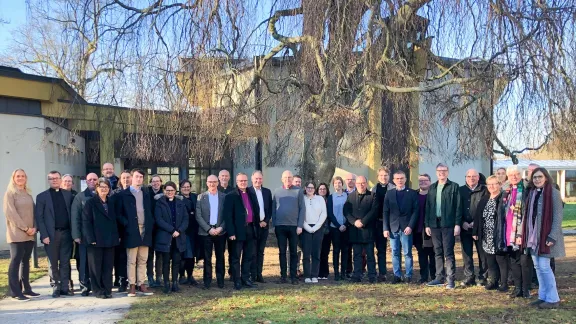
[[314, 280], [307, 280]]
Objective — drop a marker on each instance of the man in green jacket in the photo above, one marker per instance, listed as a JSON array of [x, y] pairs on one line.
[[443, 219]]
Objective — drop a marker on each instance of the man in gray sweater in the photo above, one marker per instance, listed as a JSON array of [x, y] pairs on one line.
[[288, 213]]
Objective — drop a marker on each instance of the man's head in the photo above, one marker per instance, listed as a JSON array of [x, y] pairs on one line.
[[297, 181], [287, 179], [257, 179], [350, 180], [108, 169], [170, 189], [513, 175], [501, 174], [442, 172], [338, 183], [242, 181], [91, 181], [156, 182], [125, 179], [212, 183], [67, 182], [137, 178], [472, 178], [400, 179], [361, 184], [224, 177], [384, 175], [54, 179], [531, 168], [424, 181]]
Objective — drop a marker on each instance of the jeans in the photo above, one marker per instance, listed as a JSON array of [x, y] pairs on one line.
[[443, 240], [467, 243], [370, 260], [311, 246], [19, 269], [340, 247], [287, 237], [380, 242], [397, 239], [426, 259], [547, 291]]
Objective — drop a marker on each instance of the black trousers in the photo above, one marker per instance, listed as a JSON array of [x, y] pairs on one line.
[[59, 252], [311, 248], [242, 255], [216, 244], [340, 248], [521, 267], [287, 236], [497, 268], [426, 258], [19, 268], [370, 260], [187, 267], [101, 263], [154, 264], [82, 265], [175, 256], [467, 243], [380, 241], [120, 265], [324, 270], [443, 240], [259, 246]]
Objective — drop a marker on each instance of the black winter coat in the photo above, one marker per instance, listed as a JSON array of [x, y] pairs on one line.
[[125, 203], [165, 228], [470, 200], [362, 207], [235, 214], [99, 226], [499, 226]]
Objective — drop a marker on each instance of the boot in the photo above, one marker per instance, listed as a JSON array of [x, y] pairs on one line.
[[175, 287], [145, 290], [151, 282], [132, 292], [56, 290], [166, 289]]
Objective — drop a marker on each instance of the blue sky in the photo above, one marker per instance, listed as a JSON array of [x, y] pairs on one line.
[[14, 12]]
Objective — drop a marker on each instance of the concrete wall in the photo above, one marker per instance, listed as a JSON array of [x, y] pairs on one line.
[[24, 144]]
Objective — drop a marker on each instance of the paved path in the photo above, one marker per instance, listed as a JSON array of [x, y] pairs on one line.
[[69, 309]]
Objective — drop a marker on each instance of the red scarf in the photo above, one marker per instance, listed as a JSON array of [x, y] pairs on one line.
[[546, 226]]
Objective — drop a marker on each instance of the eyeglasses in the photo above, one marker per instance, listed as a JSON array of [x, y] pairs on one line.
[[324, 189], [185, 187], [242, 180], [92, 180], [52, 179], [538, 177], [104, 187], [492, 184], [310, 188], [169, 190], [442, 170]]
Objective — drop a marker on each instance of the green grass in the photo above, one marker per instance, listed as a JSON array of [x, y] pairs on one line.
[[569, 220], [334, 302], [34, 273]]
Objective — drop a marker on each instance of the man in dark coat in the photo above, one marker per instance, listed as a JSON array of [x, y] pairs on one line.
[[264, 198], [108, 173], [380, 190], [52, 214], [359, 210], [154, 263], [241, 214]]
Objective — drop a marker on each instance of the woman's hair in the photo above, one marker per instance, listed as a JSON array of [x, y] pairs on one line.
[[306, 185], [186, 181], [327, 189], [339, 179], [170, 184], [544, 172], [105, 181], [493, 177], [13, 188]]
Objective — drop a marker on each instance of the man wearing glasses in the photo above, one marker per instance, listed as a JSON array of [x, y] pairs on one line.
[[443, 219], [52, 213]]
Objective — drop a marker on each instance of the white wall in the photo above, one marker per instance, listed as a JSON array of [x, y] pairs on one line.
[[24, 144]]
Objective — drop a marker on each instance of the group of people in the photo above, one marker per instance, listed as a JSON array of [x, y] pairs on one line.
[[123, 232]]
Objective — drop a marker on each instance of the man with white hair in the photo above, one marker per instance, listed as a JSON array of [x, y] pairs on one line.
[[471, 193]]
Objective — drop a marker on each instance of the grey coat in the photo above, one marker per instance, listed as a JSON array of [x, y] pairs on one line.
[[558, 249], [203, 213], [76, 217]]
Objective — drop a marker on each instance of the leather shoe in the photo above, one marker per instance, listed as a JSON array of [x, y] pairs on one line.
[[282, 280], [491, 286], [66, 293], [516, 293], [221, 285], [30, 294], [260, 279], [122, 288], [192, 282], [503, 288], [295, 282], [546, 305], [238, 285], [248, 284]]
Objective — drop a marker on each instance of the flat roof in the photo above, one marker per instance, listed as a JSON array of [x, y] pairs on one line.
[[548, 164]]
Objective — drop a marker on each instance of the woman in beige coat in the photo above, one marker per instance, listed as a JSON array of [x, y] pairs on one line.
[[20, 230]]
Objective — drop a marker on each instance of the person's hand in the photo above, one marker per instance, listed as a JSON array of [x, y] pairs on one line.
[[428, 231], [475, 237], [471, 225], [386, 234], [358, 223], [465, 226], [456, 230], [232, 238], [299, 230], [78, 240], [213, 232], [31, 231], [407, 231], [549, 244], [342, 228], [93, 243], [518, 241], [263, 224], [175, 234], [46, 241], [219, 230]]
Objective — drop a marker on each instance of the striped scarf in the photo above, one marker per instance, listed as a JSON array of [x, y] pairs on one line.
[[514, 208]]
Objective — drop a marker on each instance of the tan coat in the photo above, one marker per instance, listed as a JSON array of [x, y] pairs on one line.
[[19, 212]]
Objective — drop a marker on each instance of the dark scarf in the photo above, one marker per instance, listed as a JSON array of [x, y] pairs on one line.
[[546, 226]]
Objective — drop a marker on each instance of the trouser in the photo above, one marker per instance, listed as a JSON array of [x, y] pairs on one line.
[[137, 258], [443, 240], [324, 270], [521, 266], [497, 268], [154, 263], [259, 246], [230, 246], [380, 242], [59, 252], [101, 263], [19, 268], [339, 250], [401, 244], [187, 267], [242, 256], [311, 246], [83, 268], [217, 244], [467, 243], [175, 256], [287, 238], [120, 262], [426, 259], [359, 248], [547, 290]]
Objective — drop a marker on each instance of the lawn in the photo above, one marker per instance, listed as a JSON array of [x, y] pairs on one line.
[[569, 220], [334, 302], [34, 273]]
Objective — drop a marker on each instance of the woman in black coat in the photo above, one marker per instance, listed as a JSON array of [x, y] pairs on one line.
[[100, 232], [192, 241], [172, 218]]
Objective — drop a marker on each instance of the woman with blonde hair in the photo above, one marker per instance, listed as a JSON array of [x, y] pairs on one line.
[[20, 231]]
